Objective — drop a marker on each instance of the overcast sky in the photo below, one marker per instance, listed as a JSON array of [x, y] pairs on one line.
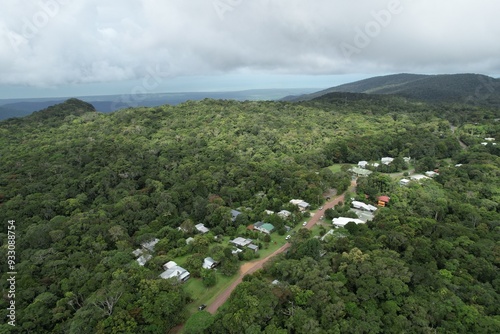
[[96, 47]]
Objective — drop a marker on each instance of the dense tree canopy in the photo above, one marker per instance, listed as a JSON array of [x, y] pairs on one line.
[[86, 189]]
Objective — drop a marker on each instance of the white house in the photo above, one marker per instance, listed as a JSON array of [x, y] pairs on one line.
[[209, 263], [201, 228], [150, 245], [431, 174], [363, 206], [143, 259], [418, 177], [241, 242], [386, 160], [489, 139], [253, 247], [342, 221], [138, 252], [169, 264], [360, 171], [404, 182], [284, 214], [175, 272], [300, 203], [363, 164]]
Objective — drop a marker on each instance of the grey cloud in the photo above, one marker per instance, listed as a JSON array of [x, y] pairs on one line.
[[94, 41]]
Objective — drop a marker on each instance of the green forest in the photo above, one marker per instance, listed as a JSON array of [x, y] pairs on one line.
[[84, 189]]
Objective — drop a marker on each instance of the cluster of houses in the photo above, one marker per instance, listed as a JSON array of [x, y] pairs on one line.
[[419, 177], [384, 161], [364, 211], [171, 269], [143, 255], [284, 214]]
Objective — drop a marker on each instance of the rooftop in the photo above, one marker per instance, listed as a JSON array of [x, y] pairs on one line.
[[150, 245], [342, 221]]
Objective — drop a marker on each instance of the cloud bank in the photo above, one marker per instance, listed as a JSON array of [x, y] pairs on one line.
[[56, 42]]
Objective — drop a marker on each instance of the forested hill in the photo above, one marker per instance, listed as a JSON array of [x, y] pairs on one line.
[[461, 88], [69, 107], [86, 189]]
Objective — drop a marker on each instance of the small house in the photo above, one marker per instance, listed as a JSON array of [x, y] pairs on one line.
[[383, 200], [169, 264], [241, 242], [362, 164], [404, 182], [284, 214], [209, 263], [263, 227], [236, 251], [150, 245], [176, 271], [234, 215], [363, 206], [201, 228], [386, 160], [138, 252], [418, 177], [303, 205], [143, 259], [343, 221], [360, 171], [253, 247]]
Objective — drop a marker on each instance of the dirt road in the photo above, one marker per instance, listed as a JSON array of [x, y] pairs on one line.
[[251, 267]]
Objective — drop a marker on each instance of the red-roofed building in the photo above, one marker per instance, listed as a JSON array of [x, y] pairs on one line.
[[383, 200]]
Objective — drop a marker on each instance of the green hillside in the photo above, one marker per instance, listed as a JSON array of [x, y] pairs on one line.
[[457, 88], [85, 189]]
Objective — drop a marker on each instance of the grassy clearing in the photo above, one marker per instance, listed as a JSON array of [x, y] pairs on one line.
[[335, 168], [204, 295]]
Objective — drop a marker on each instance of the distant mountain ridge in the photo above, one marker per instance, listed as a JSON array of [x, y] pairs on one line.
[[109, 103], [446, 88]]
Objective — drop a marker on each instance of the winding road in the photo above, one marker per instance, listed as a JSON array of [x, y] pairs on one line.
[[251, 267]]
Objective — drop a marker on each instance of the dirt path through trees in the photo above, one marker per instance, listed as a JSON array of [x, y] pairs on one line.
[[251, 267]]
